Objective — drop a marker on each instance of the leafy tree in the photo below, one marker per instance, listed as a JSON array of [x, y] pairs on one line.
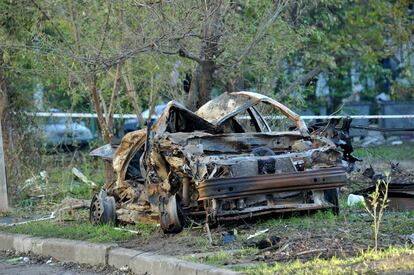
[[17, 80], [224, 40], [350, 34]]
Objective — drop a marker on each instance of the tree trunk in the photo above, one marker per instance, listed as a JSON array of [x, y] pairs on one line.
[[132, 96], [202, 81], [106, 132], [114, 96], [193, 94], [206, 82], [4, 105], [201, 85]]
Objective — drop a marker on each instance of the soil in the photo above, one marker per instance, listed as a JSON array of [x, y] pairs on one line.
[[324, 239]]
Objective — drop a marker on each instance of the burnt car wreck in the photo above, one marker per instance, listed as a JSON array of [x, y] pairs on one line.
[[240, 155]]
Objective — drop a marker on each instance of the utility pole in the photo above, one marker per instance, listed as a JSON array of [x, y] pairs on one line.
[[4, 201]]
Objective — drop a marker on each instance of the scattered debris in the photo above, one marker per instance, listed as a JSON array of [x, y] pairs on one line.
[[69, 204], [411, 238], [258, 233], [50, 217], [279, 247], [267, 242], [369, 141], [401, 196], [355, 200], [43, 177], [400, 189], [82, 177], [124, 268], [228, 237], [15, 260], [49, 261], [310, 251], [127, 230], [210, 239]]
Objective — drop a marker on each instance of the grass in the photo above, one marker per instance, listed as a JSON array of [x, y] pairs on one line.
[[389, 152], [390, 260], [59, 182], [201, 243], [81, 231], [320, 218], [248, 251], [42, 195], [400, 223], [218, 258], [145, 230]]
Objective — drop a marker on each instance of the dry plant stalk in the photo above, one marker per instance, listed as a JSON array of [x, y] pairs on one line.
[[378, 201]]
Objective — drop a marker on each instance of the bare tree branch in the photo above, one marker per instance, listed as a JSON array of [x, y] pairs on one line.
[[262, 30], [299, 81]]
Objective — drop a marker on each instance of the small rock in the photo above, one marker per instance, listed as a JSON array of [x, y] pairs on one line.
[[49, 261], [271, 241]]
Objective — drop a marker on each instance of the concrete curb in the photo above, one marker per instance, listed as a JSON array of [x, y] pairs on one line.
[[105, 254]]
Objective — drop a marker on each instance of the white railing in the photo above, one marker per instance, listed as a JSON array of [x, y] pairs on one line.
[[93, 115]]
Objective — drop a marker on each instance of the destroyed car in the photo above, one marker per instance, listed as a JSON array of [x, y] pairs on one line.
[[240, 155]]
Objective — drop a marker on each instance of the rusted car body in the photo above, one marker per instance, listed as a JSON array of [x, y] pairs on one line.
[[223, 162]]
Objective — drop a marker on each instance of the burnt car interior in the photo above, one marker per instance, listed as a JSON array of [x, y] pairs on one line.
[[240, 155]]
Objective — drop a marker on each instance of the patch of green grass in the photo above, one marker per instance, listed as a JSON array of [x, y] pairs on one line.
[[59, 181], [145, 229], [82, 231], [350, 216], [201, 243], [391, 152], [320, 218], [397, 223], [219, 258], [389, 260], [359, 205], [325, 216], [270, 223], [248, 251]]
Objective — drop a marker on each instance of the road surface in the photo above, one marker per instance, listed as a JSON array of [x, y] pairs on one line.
[[26, 266]]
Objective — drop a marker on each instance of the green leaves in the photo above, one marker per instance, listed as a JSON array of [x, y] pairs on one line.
[[254, 48]]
